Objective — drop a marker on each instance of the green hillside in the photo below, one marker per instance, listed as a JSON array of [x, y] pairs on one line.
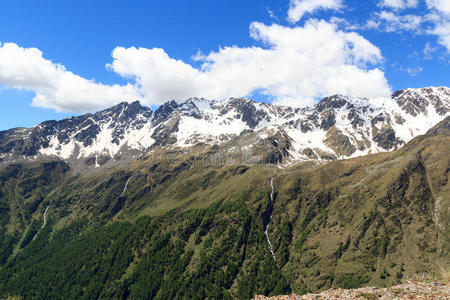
[[179, 225]]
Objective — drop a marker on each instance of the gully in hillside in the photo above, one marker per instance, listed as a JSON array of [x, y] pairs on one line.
[[266, 232]]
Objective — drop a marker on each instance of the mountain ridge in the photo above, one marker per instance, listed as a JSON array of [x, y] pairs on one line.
[[336, 127]]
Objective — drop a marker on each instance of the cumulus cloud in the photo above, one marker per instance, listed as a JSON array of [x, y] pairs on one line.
[[399, 4], [54, 86], [298, 8], [440, 16], [295, 66]]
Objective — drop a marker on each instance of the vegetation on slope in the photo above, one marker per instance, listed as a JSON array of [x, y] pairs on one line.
[[181, 226]]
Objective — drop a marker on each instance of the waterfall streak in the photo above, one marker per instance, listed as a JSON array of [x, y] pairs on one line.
[[266, 232]]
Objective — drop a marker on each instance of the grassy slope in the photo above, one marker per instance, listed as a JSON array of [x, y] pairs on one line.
[[370, 220]]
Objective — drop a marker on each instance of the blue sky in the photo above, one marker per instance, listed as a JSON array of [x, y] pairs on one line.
[[60, 58]]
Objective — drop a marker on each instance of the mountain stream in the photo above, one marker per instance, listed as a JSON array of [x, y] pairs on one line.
[[270, 218]]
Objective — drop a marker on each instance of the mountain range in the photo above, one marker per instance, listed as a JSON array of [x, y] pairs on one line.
[[336, 127], [226, 199]]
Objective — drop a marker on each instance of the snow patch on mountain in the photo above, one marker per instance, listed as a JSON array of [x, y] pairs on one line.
[[334, 128]]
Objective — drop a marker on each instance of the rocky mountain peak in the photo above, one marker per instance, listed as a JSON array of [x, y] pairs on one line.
[[335, 127], [416, 101], [248, 111], [164, 111], [131, 113], [191, 107], [332, 102]]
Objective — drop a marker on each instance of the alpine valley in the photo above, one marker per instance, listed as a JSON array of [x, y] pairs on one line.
[[226, 199]]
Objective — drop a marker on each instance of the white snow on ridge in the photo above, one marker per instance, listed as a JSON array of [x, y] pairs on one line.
[[137, 139], [211, 121]]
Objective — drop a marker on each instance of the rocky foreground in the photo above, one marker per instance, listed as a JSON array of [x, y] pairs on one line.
[[408, 290]]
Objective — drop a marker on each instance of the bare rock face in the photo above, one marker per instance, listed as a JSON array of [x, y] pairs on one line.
[[328, 120], [339, 142], [310, 153], [417, 101], [386, 139], [333, 102], [337, 127], [163, 134]]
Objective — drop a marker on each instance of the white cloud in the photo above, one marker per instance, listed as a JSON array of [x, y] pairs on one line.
[[412, 71], [296, 65], [345, 24], [55, 87], [434, 21], [441, 5], [442, 30], [159, 77], [272, 14], [390, 22], [428, 50], [399, 4], [440, 16], [298, 8]]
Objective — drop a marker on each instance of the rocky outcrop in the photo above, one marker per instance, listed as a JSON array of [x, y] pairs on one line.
[[386, 139], [408, 290], [339, 142], [417, 101]]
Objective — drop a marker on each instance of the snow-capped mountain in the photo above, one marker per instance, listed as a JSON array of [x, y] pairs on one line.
[[335, 127]]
